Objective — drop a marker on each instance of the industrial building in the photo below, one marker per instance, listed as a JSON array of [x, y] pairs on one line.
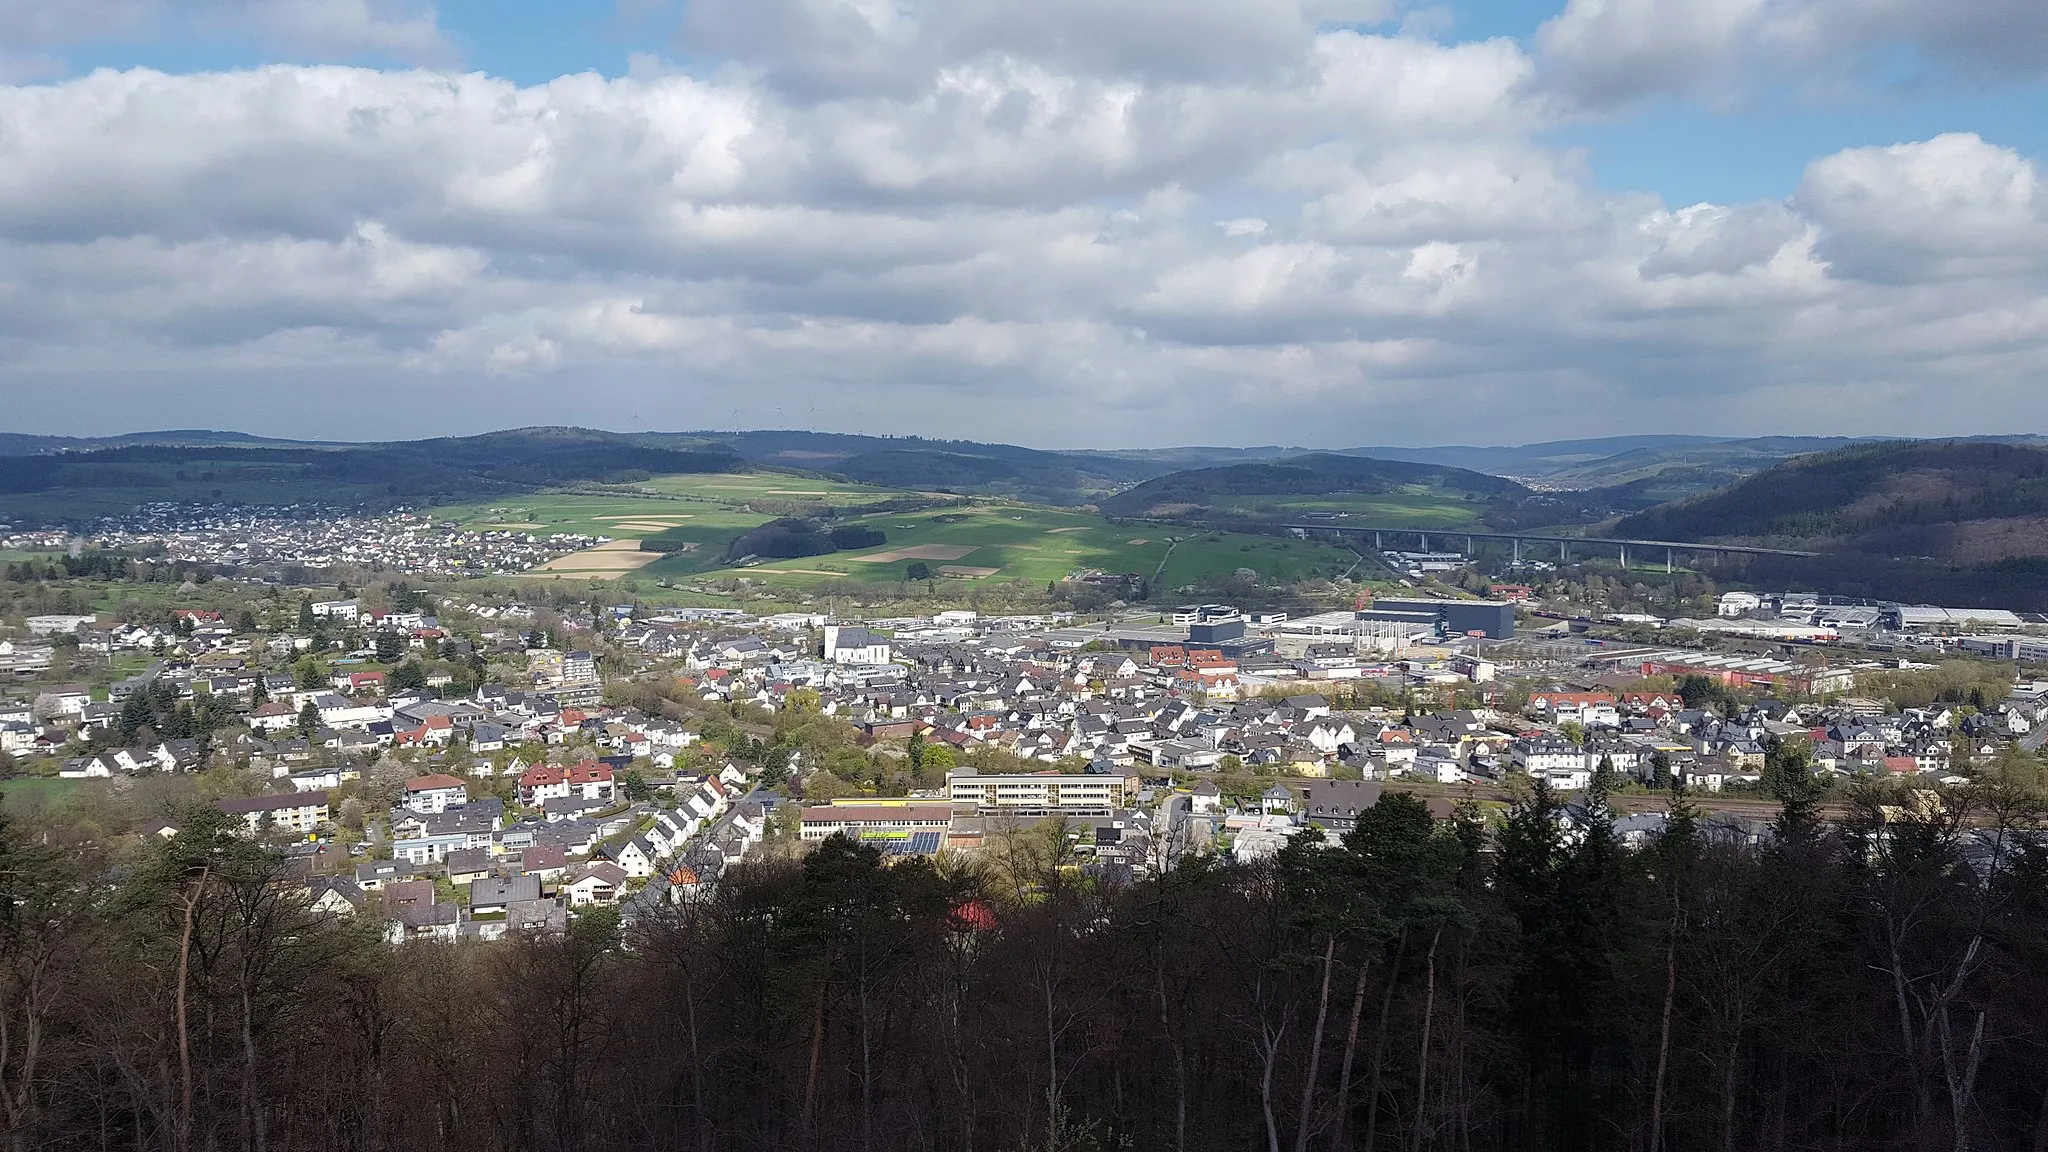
[[1493, 619]]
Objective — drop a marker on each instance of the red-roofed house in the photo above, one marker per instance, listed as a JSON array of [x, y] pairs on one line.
[[434, 730], [591, 780], [541, 783], [435, 793]]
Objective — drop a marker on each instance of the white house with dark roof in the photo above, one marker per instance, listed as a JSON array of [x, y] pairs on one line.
[[852, 644]]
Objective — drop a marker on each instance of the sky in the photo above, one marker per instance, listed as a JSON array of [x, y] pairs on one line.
[[1065, 223]]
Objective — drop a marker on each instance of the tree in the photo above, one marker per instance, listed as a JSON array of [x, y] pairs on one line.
[[408, 677], [309, 672], [1605, 778], [390, 647], [309, 719], [918, 570], [937, 758], [1696, 691], [307, 621], [1789, 778], [634, 785]]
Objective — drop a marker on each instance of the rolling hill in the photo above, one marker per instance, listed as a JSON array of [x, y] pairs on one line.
[[76, 486], [953, 465], [1320, 487], [1965, 501], [1953, 521]]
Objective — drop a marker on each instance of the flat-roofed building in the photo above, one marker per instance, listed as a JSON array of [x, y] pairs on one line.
[[883, 823], [1074, 792], [292, 811]]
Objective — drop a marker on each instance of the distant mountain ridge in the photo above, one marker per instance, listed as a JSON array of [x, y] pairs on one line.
[[73, 484], [1626, 471]]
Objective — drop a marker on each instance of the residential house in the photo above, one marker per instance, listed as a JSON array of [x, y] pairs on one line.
[[598, 883], [298, 812], [435, 793]]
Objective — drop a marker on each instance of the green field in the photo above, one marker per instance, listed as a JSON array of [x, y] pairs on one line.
[[746, 487], [1032, 543], [720, 505], [984, 540], [32, 792]]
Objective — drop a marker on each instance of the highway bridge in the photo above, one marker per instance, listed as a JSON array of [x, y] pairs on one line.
[[1565, 544]]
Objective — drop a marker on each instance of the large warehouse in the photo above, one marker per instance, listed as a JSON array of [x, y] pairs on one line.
[[1493, 619]]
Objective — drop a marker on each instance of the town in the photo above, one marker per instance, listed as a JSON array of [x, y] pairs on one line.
[[467, 815], [461, 768]]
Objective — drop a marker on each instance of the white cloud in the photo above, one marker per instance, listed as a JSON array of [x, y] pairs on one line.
[[1953, 205], [1603, 53], [1061, 235]]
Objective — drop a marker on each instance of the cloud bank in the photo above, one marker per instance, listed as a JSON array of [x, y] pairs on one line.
[[1221, 220]]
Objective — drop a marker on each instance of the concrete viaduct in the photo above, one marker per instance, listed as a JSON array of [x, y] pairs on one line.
[[1671, 548]]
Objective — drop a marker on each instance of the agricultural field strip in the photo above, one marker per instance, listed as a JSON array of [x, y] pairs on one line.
[[917, 552], [1025, 542]]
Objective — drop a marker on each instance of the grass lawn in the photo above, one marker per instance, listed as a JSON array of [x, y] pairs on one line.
[[34, 792]]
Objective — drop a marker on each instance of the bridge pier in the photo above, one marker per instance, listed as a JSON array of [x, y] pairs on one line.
[[1667, 561], [1624, 557], [1518, 551]]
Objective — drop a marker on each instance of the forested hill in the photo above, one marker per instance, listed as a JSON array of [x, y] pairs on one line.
[[76, 485], [1963, 501], [1447, 986], [1318, 474], [1049, 477]]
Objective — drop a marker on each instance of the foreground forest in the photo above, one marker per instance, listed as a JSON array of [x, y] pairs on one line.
[[1868, 983]]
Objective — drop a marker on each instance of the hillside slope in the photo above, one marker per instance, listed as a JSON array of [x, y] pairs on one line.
[[959, 465], [1966, 502], [76, 486], [1316, 486]]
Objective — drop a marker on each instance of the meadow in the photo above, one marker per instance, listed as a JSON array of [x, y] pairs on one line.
[[1033, 543], [734, 501], [29, 793], [708, 509], [983, 540]]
